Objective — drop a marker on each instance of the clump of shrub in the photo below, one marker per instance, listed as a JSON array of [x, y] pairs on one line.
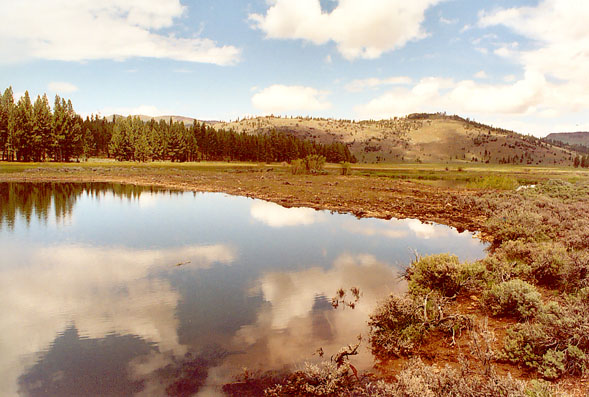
[[555, 342], [417, 379], [396, 327], [442, 273], [346, 168], [513, 298], [312, 164], [297, 167]]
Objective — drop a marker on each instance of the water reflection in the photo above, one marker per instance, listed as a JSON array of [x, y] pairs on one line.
[[277, 216], [99, 291], [27, 199], [148, 293]]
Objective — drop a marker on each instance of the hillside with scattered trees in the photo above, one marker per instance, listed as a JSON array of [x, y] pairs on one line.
[[417, 138]]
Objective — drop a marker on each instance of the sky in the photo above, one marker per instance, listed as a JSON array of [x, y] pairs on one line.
[[516, 64]]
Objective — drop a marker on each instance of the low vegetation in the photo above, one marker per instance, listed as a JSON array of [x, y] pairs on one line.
[[537, 274]]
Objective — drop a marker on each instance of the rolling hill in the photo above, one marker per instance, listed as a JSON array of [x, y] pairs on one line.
[[427, 138]]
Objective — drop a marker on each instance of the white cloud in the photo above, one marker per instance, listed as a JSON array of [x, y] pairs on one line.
[[87, 30], [560, 29], [481, 75], [360, 28], [282, 98], [361, 85], [509, 78], [277, 216], [463, 97], [147, 110], [554, 85], [448, 21], [61, 87]]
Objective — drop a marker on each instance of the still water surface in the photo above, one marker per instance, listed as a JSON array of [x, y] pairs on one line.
[[121, 290]]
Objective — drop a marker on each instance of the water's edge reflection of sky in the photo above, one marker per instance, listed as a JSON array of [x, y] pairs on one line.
[[108, 289]]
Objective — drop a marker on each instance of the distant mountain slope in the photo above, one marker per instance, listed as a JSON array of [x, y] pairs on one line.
[[142, 117], [570, 138], [415, 138]]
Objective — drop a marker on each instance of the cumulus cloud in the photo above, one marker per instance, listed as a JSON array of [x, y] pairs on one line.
[[481, 75], [87, 30], [553, 85], [282, 98], [561, 30], [360, 28], [61, 87], [363, 84]]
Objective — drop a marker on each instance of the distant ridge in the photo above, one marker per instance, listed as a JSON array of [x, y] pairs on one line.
[[570, 138], [143, 117]]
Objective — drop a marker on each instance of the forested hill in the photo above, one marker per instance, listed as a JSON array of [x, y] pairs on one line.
[[36, 132]]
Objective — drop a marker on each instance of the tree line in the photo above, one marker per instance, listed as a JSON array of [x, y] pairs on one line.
[[36, 132]]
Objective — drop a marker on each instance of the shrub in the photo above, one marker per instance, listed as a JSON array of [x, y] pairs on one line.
[[434, 272], [395, 327], [297, 167], [555, 343], [314, 163], [346, 168], [443, 273], [514, 297]]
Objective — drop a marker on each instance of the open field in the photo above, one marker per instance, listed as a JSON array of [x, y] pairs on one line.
[[524, 305]]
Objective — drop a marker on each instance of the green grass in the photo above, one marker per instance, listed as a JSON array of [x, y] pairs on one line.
[[472, 176]]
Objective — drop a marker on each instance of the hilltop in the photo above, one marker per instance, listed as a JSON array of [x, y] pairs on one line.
[[580, 138], [427, 138]]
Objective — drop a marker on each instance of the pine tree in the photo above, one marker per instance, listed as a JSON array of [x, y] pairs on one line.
[[58, 128], [23, 128], [41, 128], [6, 121]]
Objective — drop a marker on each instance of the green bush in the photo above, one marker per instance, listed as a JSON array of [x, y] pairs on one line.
[[443, 273], [396, 327], [515, 298], [297, 167], [555, 343], [314, 163], [346, 168]]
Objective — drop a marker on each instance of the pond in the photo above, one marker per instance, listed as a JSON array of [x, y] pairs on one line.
[[120, 290]]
